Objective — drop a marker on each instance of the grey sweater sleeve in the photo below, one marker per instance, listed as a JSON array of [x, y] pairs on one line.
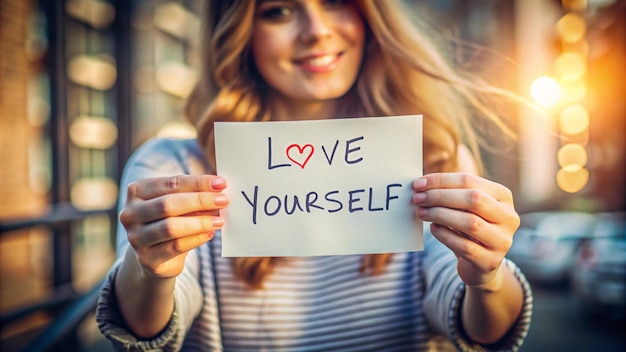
[[156, 158], [445, 292]]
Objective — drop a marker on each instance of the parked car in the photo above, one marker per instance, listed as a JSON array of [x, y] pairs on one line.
[[599, 272], [545, 245]]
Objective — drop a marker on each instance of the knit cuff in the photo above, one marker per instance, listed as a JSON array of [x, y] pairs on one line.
[[112, 325], [513, 339]]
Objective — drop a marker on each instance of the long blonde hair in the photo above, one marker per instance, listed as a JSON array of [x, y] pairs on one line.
[[403, 72]]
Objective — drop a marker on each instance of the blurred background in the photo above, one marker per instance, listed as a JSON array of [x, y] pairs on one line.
[[84, 82]]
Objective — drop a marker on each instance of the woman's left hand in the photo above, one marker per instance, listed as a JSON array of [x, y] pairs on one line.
[[472, 216]]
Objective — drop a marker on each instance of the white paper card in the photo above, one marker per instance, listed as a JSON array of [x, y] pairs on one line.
[[323, 187]]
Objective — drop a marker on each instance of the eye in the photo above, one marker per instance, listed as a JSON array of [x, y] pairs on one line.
[[336, 2], [275, 12]]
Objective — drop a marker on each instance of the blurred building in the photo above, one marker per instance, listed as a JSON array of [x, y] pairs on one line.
[[84, 82]]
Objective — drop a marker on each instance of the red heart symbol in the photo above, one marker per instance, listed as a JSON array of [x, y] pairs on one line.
[[300, 153]]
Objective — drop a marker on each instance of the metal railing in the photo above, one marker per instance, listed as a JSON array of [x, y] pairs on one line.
[[68, 306]]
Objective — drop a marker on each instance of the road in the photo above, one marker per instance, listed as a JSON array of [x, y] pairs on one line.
[[559, 324]]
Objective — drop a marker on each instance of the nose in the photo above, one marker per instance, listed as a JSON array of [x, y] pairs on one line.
[[315, 25]]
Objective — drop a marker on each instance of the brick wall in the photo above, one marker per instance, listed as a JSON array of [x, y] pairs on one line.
[[17, 135]]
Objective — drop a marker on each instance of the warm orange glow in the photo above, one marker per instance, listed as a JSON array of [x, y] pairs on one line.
[[97, 13], [572, 27], [570, 66], [176, 78], [94, 193], [572, 179], [573, 91], [574, 120], [572, 156], [173, 18], [177, 129], [545, 91], [91, 71], [575, 5], [93, 132]]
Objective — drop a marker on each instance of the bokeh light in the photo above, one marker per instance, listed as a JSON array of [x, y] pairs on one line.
[[572, 179], [93, 132], [574, 120], [176, 78], [545, 91], [572, 156], [572, 91], [570, 66], [98, 14], [94, 193], [177, 129], [575, 5], [572, 27], [91, 71], [173, 18]]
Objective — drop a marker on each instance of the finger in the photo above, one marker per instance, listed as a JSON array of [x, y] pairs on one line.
[[203, 213], [463, 181], [475, 201], [173, 228], [172, 205], [461, 246], [467, 223], [160, 186], [164, 251]]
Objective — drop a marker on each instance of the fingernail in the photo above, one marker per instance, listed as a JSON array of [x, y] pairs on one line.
[[218, 183], [419, 197], [419, 183], [218, 223], [220, 199], [422, 212]]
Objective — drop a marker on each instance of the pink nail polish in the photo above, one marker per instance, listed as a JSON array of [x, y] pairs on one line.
[[220, 200], [218, 183], [218, 222], [419, 197], [419, 183]]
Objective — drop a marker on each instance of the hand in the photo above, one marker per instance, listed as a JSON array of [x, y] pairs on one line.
[[167, 217], [472, 216]]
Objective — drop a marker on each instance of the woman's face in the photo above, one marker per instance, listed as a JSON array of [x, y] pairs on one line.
[[308, 50]]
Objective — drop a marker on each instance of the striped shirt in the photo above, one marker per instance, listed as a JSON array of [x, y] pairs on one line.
[[318, 303]]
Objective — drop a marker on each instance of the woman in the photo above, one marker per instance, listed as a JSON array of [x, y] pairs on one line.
[[310, 59]]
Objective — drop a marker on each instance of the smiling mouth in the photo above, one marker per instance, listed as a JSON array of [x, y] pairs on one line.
[[319, 63]]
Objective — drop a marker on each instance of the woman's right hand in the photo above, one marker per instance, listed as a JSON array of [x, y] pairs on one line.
[[167, 217]]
